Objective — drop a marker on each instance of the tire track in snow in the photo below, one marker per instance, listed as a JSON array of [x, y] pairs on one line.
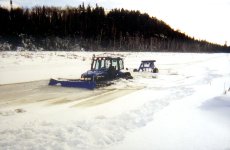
[[104, 97], [40, 92]]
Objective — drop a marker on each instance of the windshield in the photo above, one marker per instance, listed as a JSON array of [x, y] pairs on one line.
[[105, 63]]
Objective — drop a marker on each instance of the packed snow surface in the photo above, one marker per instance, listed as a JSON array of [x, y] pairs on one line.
[[184, 106]]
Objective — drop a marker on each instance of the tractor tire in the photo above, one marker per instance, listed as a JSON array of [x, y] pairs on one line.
[[135, 70], [155, 70], [127, 75]]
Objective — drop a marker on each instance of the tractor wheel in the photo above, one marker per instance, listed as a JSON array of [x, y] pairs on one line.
[[155, 70], [135, 70], [127, 75]]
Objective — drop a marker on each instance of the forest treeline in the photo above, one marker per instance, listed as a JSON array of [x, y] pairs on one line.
[[93, 28]]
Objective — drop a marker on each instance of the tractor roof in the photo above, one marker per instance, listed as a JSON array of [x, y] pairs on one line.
[[148, 61], [110, 58]]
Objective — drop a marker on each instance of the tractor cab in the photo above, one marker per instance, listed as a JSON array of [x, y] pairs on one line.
[[106, 68], [100, 63]]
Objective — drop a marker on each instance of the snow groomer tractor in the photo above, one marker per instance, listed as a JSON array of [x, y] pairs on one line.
[[103, 71]]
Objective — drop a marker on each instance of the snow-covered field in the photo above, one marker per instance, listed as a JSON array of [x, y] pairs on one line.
[[185, 106]]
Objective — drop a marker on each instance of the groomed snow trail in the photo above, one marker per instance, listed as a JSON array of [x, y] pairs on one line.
[[58, 118]]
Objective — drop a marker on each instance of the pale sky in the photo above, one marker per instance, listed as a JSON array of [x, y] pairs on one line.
[[203, 19]]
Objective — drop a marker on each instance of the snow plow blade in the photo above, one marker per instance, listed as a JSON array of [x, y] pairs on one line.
[[74, 83]]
